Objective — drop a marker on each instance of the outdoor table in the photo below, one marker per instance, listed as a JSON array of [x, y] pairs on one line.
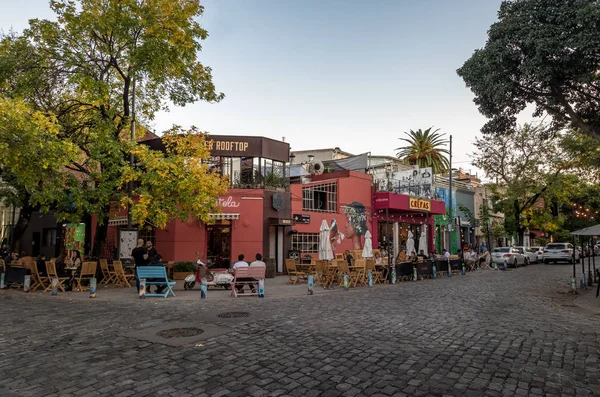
[[307, 268], [14, 275]]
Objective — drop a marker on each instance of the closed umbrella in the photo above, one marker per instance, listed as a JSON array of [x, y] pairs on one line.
[[325, 251], [368, 249]]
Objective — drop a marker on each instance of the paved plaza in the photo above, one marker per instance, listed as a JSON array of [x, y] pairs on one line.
[[489, 333]]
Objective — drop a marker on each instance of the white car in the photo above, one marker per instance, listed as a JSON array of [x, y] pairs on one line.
[[560, 252], [539, 253], [509, 255], [530, 255]]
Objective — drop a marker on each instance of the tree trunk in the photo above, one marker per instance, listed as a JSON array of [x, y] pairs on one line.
[[518, 227], [100, 235], [21, 227]]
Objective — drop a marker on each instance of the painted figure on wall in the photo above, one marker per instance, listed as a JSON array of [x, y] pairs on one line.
[[335, 236], [356, 225]]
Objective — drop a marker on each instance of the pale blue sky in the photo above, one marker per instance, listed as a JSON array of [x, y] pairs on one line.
[[326, 73]]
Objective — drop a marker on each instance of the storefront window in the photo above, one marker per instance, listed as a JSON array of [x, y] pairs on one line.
[[320, 198], [305, 242]]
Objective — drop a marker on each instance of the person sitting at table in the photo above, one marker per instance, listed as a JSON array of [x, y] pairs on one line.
[[422, 255], [348, 257], [60, 263], [445, 254], [413, 257], [41, 264], [13, 257], [401, 257], [75, 259], [378, 259]]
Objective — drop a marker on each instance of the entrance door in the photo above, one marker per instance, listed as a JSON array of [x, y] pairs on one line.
[[35, 243], [218, 251]]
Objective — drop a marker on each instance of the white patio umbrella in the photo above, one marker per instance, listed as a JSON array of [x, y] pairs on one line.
[[368, 249], [325, 251]]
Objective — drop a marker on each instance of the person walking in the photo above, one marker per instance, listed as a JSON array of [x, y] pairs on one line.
[[140, 258]]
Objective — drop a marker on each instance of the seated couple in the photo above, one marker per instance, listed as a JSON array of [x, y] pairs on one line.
[[241, 263]]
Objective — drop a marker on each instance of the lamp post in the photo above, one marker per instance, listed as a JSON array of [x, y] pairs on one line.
[[451, 224]]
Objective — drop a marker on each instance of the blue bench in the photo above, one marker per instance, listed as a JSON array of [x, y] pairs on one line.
[[158, 274]]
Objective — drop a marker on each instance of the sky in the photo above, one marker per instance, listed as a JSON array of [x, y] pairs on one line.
[[331, 73]]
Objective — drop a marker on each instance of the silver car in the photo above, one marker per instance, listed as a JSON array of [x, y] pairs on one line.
[[509, 256], [530, 254], [560, 252]]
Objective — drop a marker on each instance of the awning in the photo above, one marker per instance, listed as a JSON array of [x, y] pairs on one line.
[[118, 221], [224, 217], [588, 231]]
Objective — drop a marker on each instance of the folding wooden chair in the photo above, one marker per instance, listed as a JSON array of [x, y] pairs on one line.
[[108, 276], [37, 280], [121, 276], [290, 266], [52, 273], [358, 271], [88, 272]]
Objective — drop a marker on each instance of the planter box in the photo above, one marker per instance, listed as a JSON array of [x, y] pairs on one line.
[[180, 275]]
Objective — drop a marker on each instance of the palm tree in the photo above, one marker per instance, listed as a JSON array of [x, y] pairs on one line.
[[425, 149]]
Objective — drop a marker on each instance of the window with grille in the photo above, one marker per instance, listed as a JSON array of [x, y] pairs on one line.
[[305, 242], [320, 198]]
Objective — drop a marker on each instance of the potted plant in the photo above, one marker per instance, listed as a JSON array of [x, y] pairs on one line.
[[183, 269]]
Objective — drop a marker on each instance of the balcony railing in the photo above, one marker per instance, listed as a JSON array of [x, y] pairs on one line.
[[253, 180]]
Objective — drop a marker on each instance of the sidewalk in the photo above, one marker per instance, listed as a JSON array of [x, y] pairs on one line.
[[587, 299], [274, 288]]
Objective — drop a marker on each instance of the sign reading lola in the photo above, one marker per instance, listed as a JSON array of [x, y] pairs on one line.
[[419, 204]]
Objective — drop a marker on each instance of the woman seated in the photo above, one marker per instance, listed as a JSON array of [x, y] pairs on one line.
[[413, 257], [378, 260], [401, 257], [348, 257]]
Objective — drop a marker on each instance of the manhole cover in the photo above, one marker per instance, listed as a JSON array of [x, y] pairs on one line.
[[234, 315], [179, 332]]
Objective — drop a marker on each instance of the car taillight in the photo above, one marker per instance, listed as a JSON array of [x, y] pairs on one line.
[[545, 250], [506, 255], [565, 251]]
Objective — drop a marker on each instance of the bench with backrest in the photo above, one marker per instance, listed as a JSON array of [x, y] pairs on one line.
[[156, 275], [242, 277]]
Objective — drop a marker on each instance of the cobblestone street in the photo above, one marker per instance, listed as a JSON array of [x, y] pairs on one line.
[[488, 333]]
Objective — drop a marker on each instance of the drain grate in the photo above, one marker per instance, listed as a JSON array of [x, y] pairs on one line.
[[179, 332], [234, 315]]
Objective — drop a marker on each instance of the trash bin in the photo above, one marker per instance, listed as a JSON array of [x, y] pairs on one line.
[[271, 268]]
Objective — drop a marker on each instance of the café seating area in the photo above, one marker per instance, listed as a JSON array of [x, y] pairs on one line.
[[328, 273]]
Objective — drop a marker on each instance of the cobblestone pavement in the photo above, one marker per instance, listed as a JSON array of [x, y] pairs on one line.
[[484, 334]]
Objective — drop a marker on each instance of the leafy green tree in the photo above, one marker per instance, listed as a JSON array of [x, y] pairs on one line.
[[543, 52], [526, 165], [78, 75], [425, 149]]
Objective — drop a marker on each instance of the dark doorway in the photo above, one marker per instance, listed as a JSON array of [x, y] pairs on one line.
[[218, 252], [36, 242]]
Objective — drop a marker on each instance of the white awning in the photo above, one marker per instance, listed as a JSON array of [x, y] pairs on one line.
[[224, 217], [118, 221]]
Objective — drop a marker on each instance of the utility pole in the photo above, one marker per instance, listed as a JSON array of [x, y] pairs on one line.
[[451, 216], [131, 160]]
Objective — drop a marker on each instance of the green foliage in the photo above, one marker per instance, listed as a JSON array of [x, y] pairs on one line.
[[527, 165], [425, 149], [543, 52], [498, 231], [184, 267], [470, 216], [66, 90]]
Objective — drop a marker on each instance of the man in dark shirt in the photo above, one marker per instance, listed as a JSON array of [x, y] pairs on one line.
[[140, 257]]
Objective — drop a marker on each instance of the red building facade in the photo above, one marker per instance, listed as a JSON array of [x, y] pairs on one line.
[[255, 213]]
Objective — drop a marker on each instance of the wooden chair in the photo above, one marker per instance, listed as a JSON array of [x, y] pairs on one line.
[[52, 273], [37, 280], [121, 276], [339, 256], [290, 267], [358, 271], [88, 272], [108, 276]]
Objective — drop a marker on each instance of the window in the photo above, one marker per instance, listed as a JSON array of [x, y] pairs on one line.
[[147, 234], [320, 198], [305, 242], [49, 237]]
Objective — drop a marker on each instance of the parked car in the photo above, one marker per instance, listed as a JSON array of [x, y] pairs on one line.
[[560, 252], [539, 253], [530, 254], [509, 255]]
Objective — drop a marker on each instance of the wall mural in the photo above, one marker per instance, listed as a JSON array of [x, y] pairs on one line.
[[356, 223]]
